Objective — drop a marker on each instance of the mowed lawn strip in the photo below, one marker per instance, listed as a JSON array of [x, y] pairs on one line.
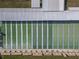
[[38, 57], [15, 4]]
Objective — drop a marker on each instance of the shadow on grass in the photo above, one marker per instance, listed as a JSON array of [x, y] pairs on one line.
[[38, 57]]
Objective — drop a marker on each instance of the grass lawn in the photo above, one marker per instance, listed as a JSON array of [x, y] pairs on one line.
[[73, 3], [13, 4], [42, 57]]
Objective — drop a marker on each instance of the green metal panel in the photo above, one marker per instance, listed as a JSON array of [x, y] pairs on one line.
[[60, 35]]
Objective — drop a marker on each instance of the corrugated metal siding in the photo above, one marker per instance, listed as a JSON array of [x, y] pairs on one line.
[[41, 35]]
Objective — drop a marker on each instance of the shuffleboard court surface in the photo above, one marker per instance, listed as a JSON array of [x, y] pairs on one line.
[[40, 35]]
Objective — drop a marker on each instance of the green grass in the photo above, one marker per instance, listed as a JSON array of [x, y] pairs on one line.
[[42, 57], [73, 3], [11, 4]]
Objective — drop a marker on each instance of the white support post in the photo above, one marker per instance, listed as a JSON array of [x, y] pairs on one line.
[[61, 5], [53, 5], [35, 3]]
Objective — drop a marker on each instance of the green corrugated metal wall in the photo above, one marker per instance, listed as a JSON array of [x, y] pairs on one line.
[[38, 35]]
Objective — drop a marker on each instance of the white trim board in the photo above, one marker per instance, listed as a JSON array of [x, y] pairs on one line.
[[73, 8], [20, 15], [61, 5]]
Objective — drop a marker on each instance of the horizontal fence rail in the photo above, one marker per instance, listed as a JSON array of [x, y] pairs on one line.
[[40, 35]]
